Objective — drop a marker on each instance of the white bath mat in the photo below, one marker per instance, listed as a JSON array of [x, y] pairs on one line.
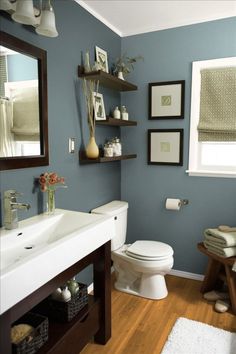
[[192, 337]]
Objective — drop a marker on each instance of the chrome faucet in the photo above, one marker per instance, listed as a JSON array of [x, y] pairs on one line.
[[10, 209]]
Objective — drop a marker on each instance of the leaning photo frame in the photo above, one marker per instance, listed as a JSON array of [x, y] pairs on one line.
[[98, 105], [101, 58]]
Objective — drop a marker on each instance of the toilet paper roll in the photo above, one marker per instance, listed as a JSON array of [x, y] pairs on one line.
[[173, 204]]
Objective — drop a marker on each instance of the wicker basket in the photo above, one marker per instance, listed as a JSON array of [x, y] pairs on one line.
[[38, 336], [65, 311]]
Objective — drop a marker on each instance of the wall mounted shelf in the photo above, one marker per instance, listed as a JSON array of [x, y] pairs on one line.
[[101, 159], [116, 122], [107, 80]]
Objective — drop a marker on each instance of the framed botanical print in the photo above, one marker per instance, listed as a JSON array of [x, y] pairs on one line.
[[166, 100], [165, 147]]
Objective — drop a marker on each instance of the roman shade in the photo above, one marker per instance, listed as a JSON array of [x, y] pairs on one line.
[[217, 121]]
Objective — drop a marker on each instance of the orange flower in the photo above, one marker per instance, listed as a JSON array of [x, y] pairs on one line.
[[49, 181]]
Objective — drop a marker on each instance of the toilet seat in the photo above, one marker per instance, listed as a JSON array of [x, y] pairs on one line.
[[149, 250]]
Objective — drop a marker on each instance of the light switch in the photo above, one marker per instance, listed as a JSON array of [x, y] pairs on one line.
[[71, 145]]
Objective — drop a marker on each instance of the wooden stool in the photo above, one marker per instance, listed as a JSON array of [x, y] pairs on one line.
[[214, 272]]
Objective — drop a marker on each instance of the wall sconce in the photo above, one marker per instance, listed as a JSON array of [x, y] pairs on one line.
[[23, 11]]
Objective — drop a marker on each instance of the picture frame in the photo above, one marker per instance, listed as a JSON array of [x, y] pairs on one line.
[[166, 100], [165, 147], [101, 58], [98, 105]]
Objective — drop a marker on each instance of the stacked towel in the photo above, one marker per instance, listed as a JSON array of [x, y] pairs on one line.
[[220, 243]]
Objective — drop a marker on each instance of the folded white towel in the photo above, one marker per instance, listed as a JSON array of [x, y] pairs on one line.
[[226, 239], [220, 251]]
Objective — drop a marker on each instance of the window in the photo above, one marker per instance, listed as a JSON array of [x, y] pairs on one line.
[[209, 158]]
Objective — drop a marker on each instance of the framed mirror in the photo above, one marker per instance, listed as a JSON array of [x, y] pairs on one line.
[[23, 104]]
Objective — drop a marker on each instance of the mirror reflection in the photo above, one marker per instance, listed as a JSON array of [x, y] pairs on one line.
[[19, 104]]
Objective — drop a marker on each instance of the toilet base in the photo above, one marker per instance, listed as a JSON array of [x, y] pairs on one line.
[[149, 286]]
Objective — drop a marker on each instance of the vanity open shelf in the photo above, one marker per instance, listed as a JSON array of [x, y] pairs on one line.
[[116, 122], [107, 80], [84, 160], [94, 320]]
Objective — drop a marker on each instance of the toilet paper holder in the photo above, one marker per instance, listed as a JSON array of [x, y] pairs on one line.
[[184, 202]]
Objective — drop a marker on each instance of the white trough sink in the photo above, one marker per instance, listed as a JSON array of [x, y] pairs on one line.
[[44, 246]]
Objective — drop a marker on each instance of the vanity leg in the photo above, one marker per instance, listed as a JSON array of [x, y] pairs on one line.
[[5, 330], [102, 290]]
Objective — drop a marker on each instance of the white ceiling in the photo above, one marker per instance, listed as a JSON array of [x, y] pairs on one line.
[[134, 17]]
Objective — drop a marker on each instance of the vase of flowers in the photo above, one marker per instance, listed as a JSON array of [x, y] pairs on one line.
[[124, 65], [49, 182]]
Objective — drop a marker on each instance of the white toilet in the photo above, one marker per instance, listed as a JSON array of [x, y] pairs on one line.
[[140, 267]]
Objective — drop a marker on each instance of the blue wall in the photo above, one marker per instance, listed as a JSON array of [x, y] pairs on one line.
[[168, 56]]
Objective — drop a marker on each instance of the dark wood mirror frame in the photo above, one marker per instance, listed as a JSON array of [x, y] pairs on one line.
[[23, 47]]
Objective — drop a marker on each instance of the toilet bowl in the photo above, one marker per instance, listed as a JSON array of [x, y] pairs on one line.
[[140, 267]]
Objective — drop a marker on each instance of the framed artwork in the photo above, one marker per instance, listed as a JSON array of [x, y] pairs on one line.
[[165, 147], [101, 58], [98, 105], [166, 100]]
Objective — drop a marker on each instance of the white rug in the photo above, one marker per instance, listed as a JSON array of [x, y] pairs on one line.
[[192, 337]]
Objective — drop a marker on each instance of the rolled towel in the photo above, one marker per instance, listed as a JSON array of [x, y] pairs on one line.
[[220, 251], [226, 239]]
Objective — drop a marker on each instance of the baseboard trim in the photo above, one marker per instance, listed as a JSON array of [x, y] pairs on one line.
[[188, 275]]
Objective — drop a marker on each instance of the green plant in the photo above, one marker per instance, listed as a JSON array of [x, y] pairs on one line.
[[125, 64]]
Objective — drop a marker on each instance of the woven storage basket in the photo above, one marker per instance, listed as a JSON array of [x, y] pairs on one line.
[[38, 336], [65, 311]]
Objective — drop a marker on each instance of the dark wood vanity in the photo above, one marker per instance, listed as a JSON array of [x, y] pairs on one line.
[[92, 320]]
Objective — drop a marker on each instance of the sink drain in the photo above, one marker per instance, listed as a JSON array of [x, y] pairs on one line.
[[29, 247]]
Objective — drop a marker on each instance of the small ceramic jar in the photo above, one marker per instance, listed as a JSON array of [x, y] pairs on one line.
[[116, 113], [65, 294], [124, 113], [108, 150], [116, 147], [73, 286]]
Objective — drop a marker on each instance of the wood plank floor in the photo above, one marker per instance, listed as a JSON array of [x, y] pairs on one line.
[[141, 326]]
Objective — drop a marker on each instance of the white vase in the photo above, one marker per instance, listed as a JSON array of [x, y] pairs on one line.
[[120, 75]]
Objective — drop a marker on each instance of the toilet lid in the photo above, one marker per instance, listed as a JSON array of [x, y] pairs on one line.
[[149, 250]]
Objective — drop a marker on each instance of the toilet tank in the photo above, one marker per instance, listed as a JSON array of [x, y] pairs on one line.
[[118, 209]]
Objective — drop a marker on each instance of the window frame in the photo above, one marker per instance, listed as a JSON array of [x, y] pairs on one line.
[[193, 164]]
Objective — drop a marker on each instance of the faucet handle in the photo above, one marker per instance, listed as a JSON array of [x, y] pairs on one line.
[[11, 193]]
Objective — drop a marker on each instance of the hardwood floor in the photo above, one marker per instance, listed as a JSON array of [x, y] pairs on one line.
[[141, 326]]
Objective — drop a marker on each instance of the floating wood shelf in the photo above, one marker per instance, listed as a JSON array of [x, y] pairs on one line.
[[107, 80], [84, 160], [116, 122]]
